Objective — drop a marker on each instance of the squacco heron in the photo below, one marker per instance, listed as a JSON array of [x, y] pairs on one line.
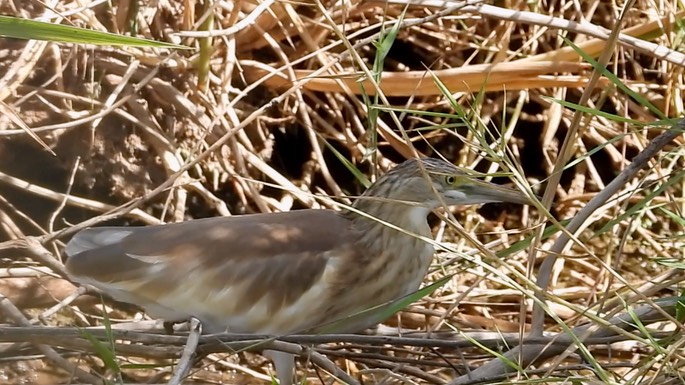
[[283, 273]]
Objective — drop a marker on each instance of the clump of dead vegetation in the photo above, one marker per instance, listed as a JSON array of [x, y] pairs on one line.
[[283, 105]]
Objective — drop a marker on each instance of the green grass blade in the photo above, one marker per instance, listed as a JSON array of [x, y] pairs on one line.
[[103, 351], [596, 112], [351, 167], [384, 311], [615, 80], [525, 243], [37, 30], [640, 205]]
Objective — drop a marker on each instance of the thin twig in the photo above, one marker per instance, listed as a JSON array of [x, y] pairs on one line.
[[526, 353], [11, 312], [184, 364]]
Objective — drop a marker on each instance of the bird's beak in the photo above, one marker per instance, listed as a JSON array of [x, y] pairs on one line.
[[476, 191]]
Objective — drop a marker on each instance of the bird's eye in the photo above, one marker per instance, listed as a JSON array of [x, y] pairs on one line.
[[450, 179]]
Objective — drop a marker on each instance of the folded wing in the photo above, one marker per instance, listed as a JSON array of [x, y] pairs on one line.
[[231, 272]]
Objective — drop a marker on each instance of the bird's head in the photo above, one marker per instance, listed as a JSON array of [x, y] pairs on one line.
[[429, 182]]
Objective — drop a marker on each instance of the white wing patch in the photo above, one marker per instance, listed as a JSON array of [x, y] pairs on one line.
[[151, 259], [94, 238]]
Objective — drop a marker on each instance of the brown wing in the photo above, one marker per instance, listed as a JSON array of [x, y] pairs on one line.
[[208, 267]]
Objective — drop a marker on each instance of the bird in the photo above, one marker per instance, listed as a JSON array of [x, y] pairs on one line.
[[287, 272]]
